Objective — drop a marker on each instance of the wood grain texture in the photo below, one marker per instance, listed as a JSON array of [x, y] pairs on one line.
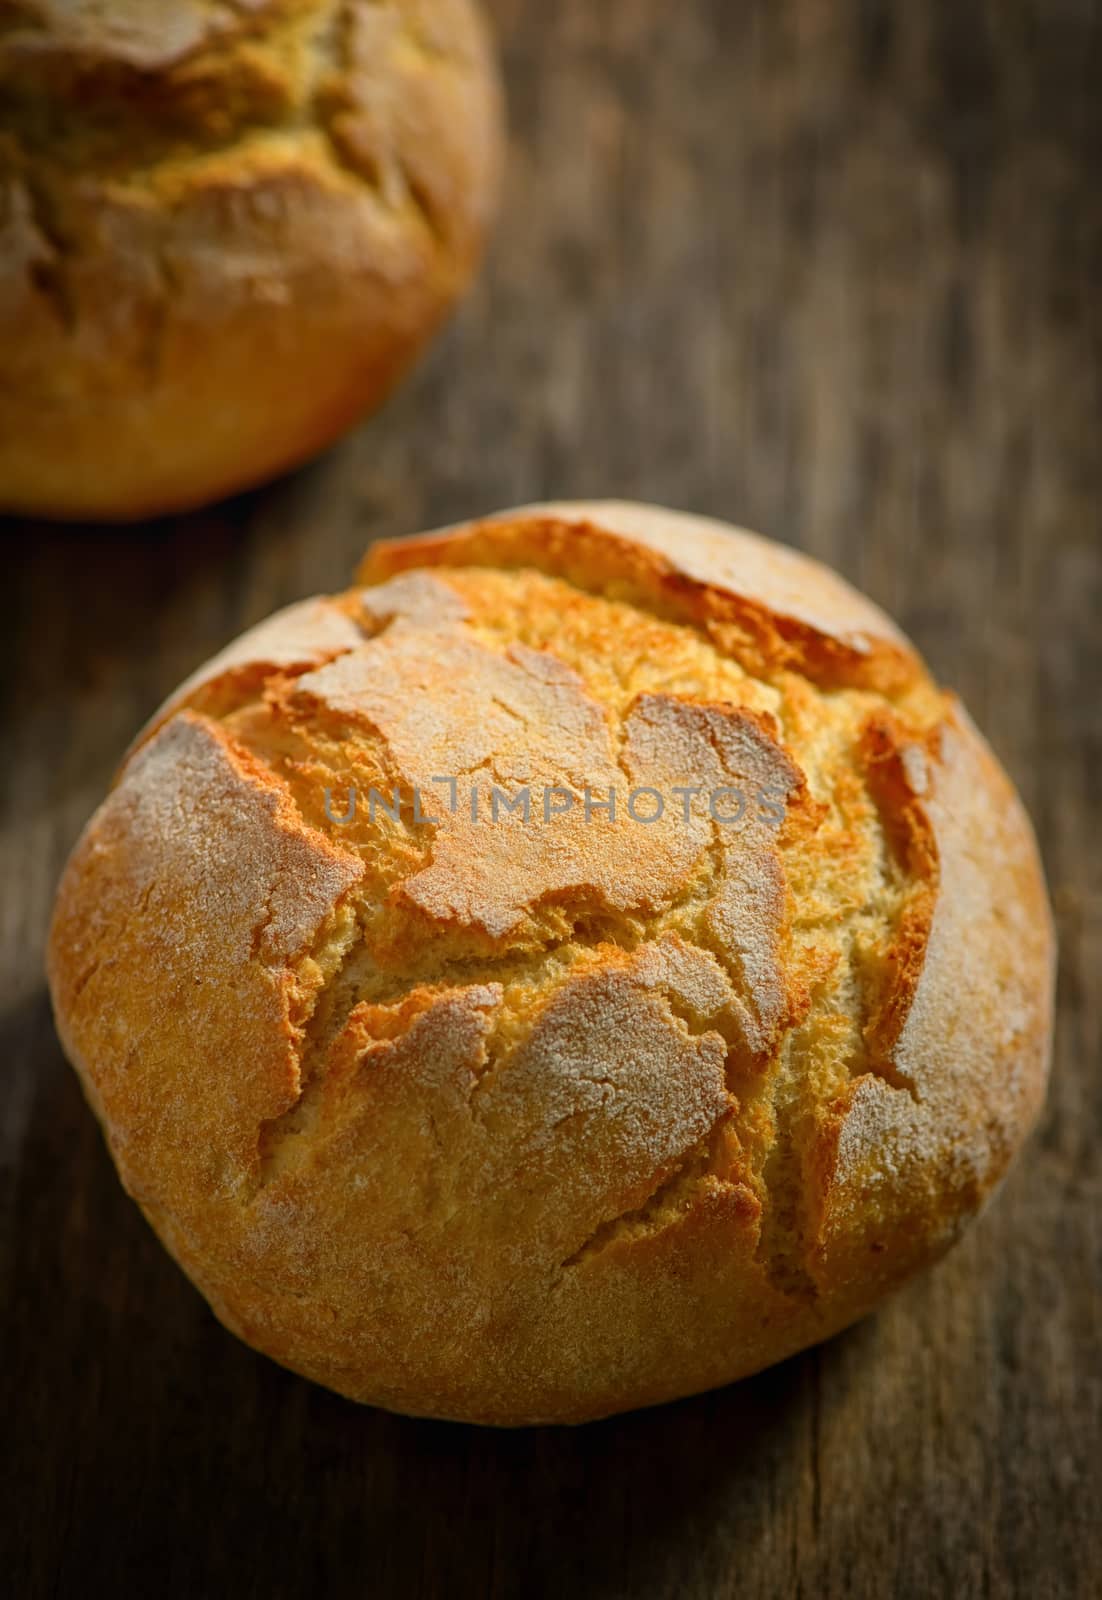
[[828, 268]]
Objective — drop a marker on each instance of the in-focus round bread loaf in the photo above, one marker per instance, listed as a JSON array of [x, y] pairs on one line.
[[537, 1118], [225, 230]]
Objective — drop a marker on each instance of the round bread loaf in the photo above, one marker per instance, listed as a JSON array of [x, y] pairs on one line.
[[533, 1118], [225, 230]]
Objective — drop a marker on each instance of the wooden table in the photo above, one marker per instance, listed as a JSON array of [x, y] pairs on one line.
[[823, 267]]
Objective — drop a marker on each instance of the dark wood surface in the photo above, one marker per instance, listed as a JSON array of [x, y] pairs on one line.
[[828, 268]]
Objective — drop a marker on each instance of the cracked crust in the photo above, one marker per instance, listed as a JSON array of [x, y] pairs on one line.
[[522, 1122], [224, 233]]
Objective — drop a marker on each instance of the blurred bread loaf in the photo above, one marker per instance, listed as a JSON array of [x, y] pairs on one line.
[[225, 231], [536, 1119]]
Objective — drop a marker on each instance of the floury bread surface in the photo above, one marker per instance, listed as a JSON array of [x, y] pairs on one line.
[[225, 231], [526, 1120]]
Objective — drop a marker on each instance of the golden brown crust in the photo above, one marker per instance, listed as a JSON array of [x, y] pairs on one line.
[[224, 233], [769, 605], [535, 1122]]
